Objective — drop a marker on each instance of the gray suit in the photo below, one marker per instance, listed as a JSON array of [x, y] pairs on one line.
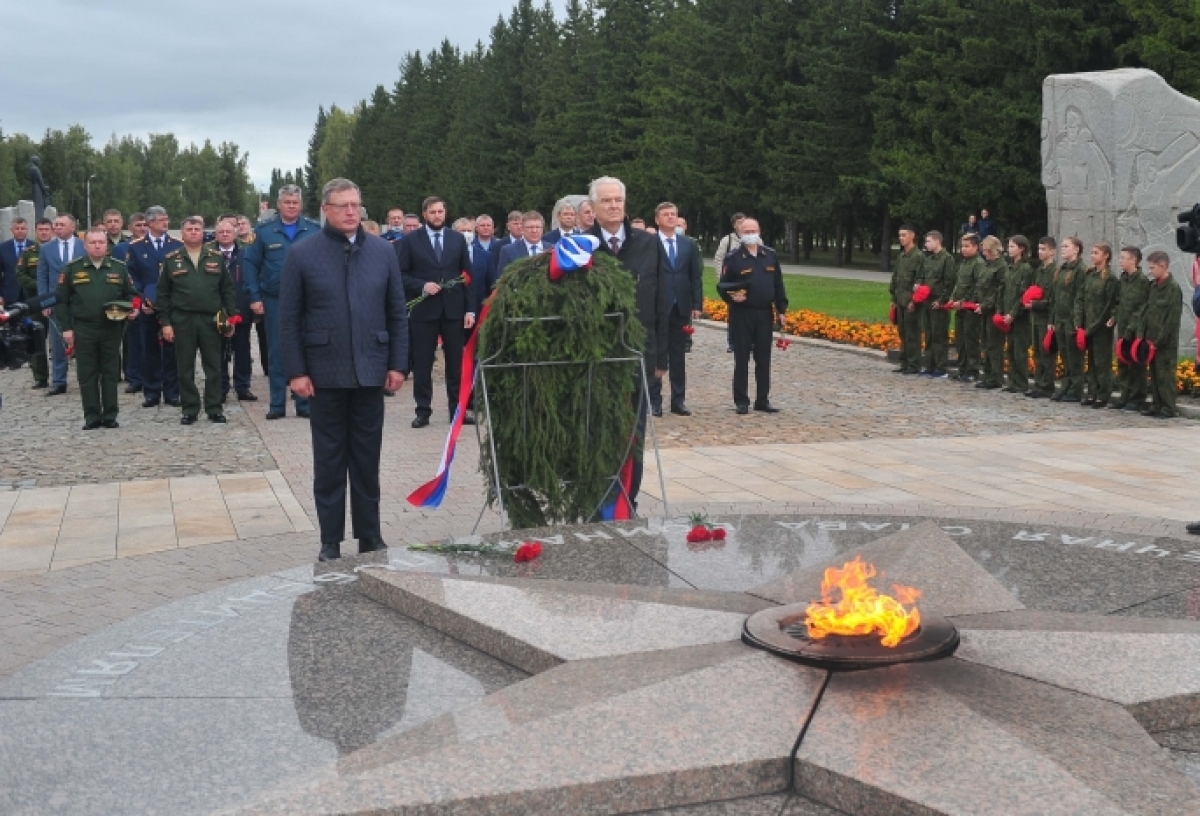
[[343, 323], [50, 266]]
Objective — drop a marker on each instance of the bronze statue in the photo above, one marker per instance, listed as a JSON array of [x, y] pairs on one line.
[[41, 193]]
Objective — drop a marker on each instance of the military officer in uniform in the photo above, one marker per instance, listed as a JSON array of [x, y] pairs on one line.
[[89, 288], [193, 288], [905, 278], [27, 266], [751, 283]]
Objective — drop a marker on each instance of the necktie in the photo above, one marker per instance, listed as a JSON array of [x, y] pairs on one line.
[[437, 245], [532, 250], [671, 251], [615, 243], [65, 244], [158, 242]]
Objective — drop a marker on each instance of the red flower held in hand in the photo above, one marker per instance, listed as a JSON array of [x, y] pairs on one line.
[[527, 552], [688, 329]]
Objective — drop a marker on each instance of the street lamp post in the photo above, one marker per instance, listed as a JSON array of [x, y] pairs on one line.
[[89, 199]]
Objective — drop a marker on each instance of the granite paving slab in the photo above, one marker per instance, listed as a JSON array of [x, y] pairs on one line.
[[955, 738], [722, 732], [950, 581], [1156, 675], [534, 628]]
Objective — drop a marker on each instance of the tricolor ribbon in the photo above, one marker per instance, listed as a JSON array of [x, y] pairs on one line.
[[432, 492]]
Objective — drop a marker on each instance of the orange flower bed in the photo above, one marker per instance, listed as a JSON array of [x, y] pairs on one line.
[[883, 336]]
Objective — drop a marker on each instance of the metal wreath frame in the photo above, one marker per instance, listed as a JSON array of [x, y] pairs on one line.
[[635, 356]]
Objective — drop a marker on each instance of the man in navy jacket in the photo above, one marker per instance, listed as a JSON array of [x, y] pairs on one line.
[[429, 258], [343, 339], [685, 269], [160, 377]]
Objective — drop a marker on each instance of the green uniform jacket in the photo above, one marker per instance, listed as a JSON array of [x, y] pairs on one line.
[[84, 288], [1161, 314], [1017, 279], [1134, 289], [966, 287], [937, 272], [186, 288], [1063, 291], [906, 276], [1095, 300], [1043, 276], [27, 268], [991, 284]]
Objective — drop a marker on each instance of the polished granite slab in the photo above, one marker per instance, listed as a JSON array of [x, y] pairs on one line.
[[923, 556], [536, 628]]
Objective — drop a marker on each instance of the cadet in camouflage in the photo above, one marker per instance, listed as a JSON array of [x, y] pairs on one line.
[[1160, 325], [968, 322], [905, 278], [1134, 290], [1043, 361], [1062, 316], [1095, 313]]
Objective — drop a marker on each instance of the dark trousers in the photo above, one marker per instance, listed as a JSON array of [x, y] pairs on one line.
[[967, 336], [1043, 369], [993, 360], [242, 366], [1099, 363], [676, 345], [160, 376], [260, 327], [347, 434], [1163, 388], [39, 363], [909, 326], [424, 348], [98, 367], [935, 331], [1131, 379], [1020, 338], [278, 383], [751, 329], [197, 332], [1072, 358], [132, 354]]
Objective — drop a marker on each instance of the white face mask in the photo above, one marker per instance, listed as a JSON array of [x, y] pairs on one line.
[[679, 231], [751, 239], [470, 236]]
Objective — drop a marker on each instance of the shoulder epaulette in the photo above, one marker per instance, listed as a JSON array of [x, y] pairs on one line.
[[172, 253]]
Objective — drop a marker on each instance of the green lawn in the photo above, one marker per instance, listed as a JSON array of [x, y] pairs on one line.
[[849, 299]]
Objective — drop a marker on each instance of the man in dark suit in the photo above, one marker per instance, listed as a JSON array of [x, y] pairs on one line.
[[160, 373], [514, 234], [52, 260], [567, 223], [239, 345], [529, 244], [484, 274], [429, 258], [10, 253], [343, 335], [685, 272], [640, 253]]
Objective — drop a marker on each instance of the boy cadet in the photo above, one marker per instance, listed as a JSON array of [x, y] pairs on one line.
[[88, 288], [938, 273], [1064, 287], [1160, 326], [967, 323], [1018, 277], [905, 278], [193, 288], [1043, 362], [991, 298], [1134, 289]]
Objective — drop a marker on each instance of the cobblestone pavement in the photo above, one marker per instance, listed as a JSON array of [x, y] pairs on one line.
[[42, 444], [829, 395]]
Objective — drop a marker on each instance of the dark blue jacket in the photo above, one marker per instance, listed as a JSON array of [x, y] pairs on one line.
[[419, 265], [10, 287], [237, 273], [342, 315], [686, 277], [483, 272], [145, 265], [515, 252], [264, 258]]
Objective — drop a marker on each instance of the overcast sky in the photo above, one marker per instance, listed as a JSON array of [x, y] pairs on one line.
[[250, 72]]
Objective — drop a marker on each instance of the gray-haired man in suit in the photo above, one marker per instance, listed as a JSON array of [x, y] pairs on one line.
[[343, 335]]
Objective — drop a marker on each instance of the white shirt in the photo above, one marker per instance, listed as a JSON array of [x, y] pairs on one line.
[[67, 244], [608, 236], [533, 249]]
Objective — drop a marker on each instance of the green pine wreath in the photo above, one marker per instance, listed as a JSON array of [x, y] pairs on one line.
[[556, 459]]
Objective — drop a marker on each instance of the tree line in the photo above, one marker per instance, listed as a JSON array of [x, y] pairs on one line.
[[129, 173], [832, 120]]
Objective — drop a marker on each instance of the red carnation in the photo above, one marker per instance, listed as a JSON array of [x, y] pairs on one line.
[[235, 320], [527, 552], [688, 329], [718, 534], [699, 533], [137, 303], [466, 277]]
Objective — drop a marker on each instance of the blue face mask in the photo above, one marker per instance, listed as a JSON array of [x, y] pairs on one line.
[[751, 239]]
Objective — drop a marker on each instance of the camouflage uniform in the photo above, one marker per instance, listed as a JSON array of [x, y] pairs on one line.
[[905, 276], [1043, 363], [1062, 316], [968, 324], [991, 299], [1160, 325], [1018, 278], [1134, 289], [1095, 305], [937, 272]]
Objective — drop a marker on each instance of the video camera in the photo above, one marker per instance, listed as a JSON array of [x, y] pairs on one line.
[[1188, 236], [20, 334]]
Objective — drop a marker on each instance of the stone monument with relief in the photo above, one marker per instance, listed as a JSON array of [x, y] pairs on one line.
[[1120, 160]]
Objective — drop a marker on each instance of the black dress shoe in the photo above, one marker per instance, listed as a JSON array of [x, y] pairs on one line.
[[174, 402], [1117, 406], [217, 418], [468, 419], [187, 419], [330, 552], [766, 408], [92, 424], [1087, 401], [111, 423], [1193, 528], [366, 545], [681, 410], [1149, 412], [40, 384], [133, 389], [56, 390], [275, 415], [1100, 404], [149, 403], [656, 411], [1070, 398], [303, 413], [420, 421], [246, 396], [743, 409]]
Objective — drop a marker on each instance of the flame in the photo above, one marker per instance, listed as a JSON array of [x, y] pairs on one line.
[[861, 610]]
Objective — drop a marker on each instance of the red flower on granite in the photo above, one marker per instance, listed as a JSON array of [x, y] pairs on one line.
[[782, 343], [699, 533], [689, 329], [717, 533], [527, 552]]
